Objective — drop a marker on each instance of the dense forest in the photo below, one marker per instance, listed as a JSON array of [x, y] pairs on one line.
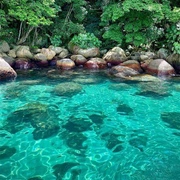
[[149, 24]]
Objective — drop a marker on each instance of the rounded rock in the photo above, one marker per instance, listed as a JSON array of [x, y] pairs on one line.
[[6, 71], [65, 64], [160, 67]]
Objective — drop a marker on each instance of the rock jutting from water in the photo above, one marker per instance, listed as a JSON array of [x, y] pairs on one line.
[[6, 71]]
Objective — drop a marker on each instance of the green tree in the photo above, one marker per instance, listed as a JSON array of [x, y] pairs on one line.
[[68, 22], [137, 22], [28, 15]]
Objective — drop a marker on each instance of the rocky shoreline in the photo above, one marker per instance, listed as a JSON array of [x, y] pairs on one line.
[[122, 64]]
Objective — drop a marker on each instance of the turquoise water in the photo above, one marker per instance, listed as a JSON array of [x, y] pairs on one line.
[[93, 127]]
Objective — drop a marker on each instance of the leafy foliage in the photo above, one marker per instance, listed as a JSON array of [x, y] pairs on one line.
[[88, 40], [56, 40], [173, 38], [118, 22]]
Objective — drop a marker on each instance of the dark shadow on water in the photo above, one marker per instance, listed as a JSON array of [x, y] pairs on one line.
[[112, 142], [172, 119], [6, 152], [124, 109], [61, 169], [138, 141], [36, 178], [75, 124]]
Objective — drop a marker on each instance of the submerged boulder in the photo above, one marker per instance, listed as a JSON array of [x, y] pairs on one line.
[[67, 89], [41, 117], [144, 78], [6, 152], [6, 71], [172, 119]]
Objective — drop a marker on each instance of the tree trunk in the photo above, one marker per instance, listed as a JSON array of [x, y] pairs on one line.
[[24, 38]]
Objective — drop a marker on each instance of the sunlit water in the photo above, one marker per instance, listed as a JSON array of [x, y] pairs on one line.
[[102, 129]]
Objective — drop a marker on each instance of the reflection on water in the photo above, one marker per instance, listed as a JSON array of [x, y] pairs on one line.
[[82, 125]]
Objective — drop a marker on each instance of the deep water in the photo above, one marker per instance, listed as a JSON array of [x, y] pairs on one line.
[[85, 125]]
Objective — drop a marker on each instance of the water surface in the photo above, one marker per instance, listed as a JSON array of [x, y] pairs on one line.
[[78, 125]]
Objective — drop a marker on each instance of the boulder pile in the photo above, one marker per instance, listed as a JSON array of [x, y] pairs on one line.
[[123, 64]]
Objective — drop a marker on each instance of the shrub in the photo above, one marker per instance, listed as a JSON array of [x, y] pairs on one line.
[[87, 40]]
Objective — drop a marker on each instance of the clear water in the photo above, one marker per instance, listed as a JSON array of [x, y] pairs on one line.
[[105, 129]]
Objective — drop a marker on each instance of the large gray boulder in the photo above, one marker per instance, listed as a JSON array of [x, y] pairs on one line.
[[6, 71], [23, 52], [115, 56], [4, 47]]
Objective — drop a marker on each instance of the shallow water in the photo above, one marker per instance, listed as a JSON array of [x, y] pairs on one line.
[[102, 129]]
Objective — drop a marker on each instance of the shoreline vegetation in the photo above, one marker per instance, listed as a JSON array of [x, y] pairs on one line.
[[141, 35]]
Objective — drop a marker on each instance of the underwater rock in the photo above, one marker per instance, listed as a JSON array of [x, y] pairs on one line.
[[138, 142], [143, 78], [154, 90], [97, 119], [14, 91], [152, 94], [61, 169], [67, 89], [6, 152], [120, 87], [85, 80], [172, 118], [78, 124], [124, 109], [45, 129], [40, 116], [35, 178], [112, 142], [75, 140]]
